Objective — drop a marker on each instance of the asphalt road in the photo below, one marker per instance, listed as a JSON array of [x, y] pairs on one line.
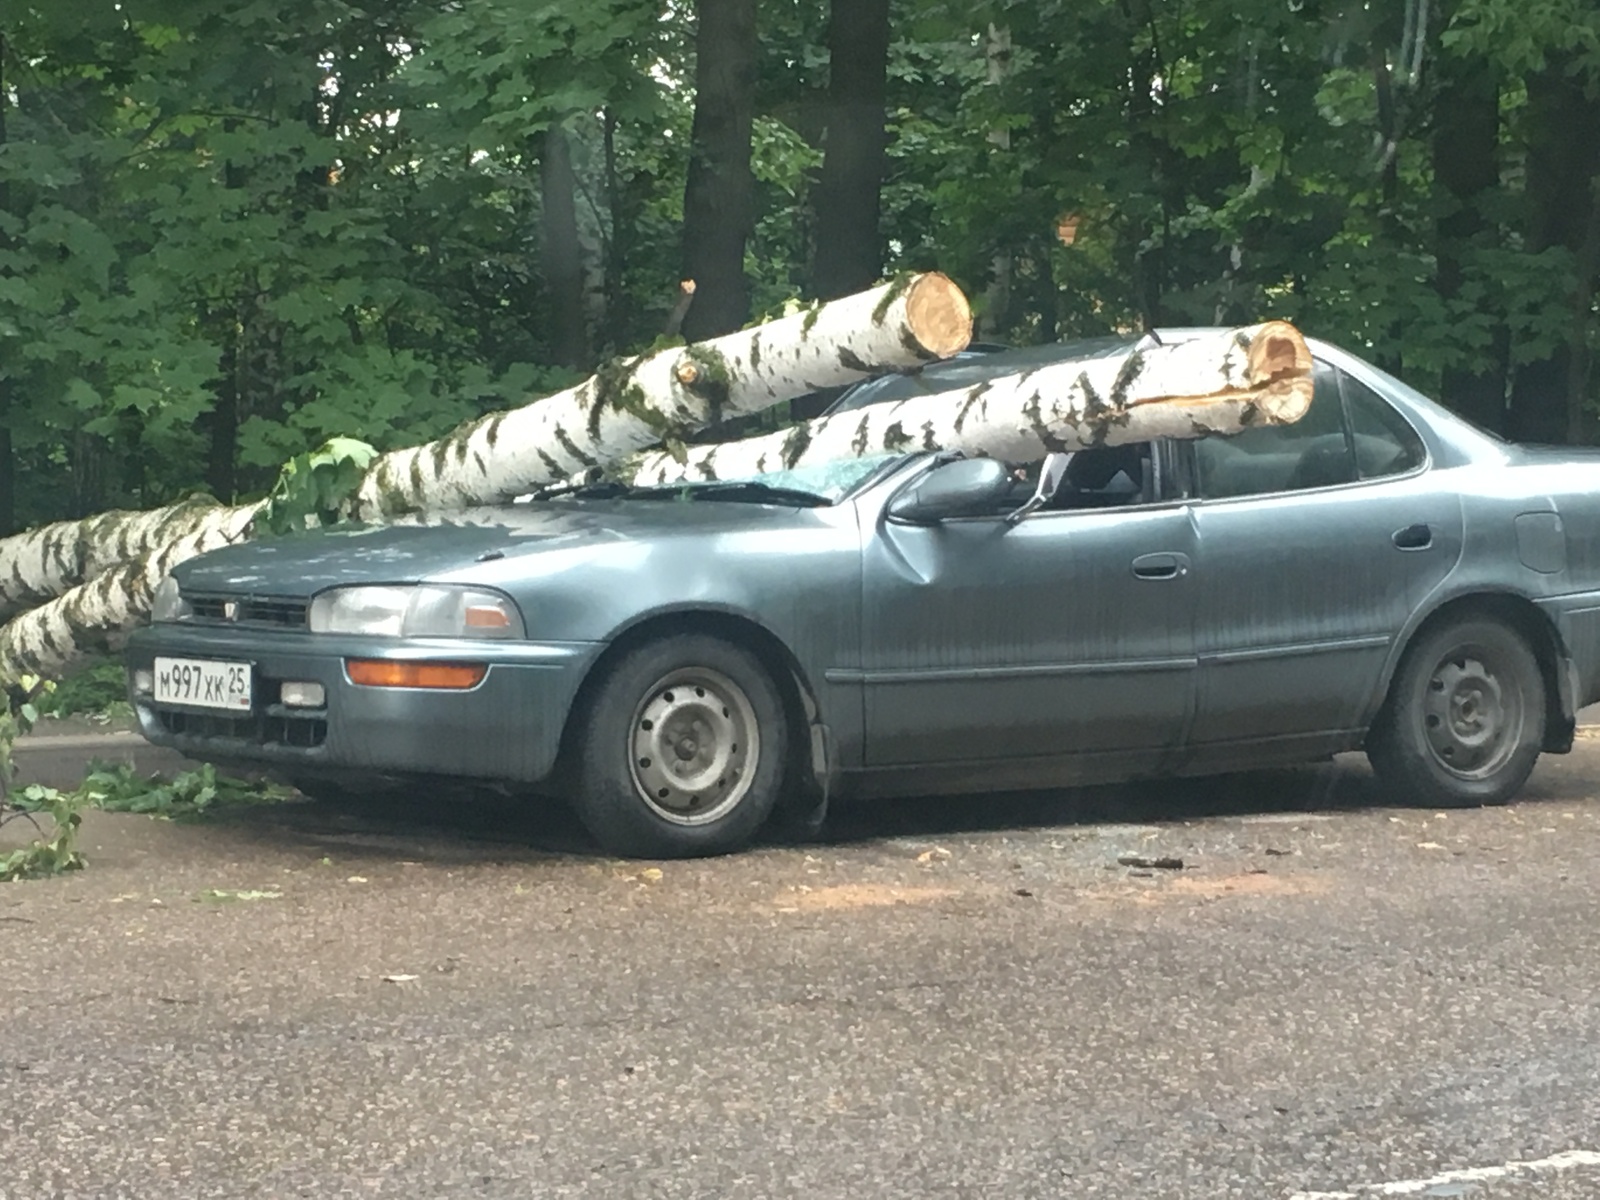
[[942, 999]]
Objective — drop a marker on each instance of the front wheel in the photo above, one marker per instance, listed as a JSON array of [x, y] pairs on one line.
[[682, 750], [1464, 720]]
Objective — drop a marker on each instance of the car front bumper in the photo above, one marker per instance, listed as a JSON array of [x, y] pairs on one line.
[[506, 729]]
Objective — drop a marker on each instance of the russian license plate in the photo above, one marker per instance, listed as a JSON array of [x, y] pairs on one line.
[[203, 683]]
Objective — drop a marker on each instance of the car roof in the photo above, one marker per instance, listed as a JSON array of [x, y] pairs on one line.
[[1453, 439], [975, 366]]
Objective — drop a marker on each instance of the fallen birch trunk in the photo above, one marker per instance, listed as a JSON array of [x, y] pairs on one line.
[[1219, 383], [92, 617], [622, 410], [42, 563], [637, 404], [101, 571]]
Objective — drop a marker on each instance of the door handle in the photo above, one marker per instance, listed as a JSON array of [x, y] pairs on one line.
[[1413, 537], [1161, 566]]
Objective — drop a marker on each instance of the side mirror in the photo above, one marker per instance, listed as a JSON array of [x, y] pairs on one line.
[[968, 487], [1051, 476]]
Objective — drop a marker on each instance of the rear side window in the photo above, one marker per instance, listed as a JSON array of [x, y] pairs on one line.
[[1385, 442], [1311, 453]]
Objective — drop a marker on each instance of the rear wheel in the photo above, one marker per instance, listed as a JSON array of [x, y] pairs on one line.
[[682, 750], [1464, 719]]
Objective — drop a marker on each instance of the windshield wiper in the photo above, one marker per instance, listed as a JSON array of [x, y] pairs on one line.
[[742, 489]]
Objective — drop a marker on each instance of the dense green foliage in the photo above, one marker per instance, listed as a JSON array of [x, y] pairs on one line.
[[230, 230]]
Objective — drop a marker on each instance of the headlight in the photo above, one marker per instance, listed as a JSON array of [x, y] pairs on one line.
[[421, 611], [167, 602]]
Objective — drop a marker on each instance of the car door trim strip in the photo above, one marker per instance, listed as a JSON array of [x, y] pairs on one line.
[[1254, 653], [1031, 670]]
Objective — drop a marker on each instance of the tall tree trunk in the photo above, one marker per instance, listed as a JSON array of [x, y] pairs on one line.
[[562, 256], [1387, 353], [8, 456], [1580, 364], [1466, 141], [619, 315], [223, 419], [227, 410], [849, 255], [1149, 141], [1563, 160], [996, 309], [8, 466], [719, 199]]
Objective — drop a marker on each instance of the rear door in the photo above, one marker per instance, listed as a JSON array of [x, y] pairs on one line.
[[1316, 541]]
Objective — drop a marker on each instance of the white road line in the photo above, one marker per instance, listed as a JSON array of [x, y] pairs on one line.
[[1565, 1161]]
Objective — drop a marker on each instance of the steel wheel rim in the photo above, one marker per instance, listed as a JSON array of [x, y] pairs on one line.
[[1472, 718], [694, 746]]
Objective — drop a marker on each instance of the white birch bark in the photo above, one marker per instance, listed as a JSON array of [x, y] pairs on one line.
[[638, 404], [42, 563], [1219, 383], [94, 616], [603, 421]]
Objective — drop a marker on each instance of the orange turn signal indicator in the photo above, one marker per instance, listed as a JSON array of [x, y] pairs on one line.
[[441, 676], [485, 616]]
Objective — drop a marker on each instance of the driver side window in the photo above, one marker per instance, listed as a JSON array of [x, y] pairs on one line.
[[1097, 477]]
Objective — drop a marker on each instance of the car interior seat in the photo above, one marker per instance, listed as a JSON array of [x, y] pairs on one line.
[[1103, 477], [1325, 462]]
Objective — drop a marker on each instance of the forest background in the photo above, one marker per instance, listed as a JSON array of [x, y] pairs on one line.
[[230, 229]]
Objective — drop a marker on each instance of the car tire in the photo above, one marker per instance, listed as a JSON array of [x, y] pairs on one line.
[[682, 750], [1464, 720]]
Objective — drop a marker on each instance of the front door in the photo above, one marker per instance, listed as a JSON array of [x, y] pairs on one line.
[[1070, 633]]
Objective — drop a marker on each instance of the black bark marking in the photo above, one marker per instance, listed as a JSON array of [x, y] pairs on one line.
[[810, 322], [973, 395], [858, 444], [1126, 375], [439, 452], [571, 447], [849, 359], [794, 445], [916, 348], [898, 287], [1033, 410]]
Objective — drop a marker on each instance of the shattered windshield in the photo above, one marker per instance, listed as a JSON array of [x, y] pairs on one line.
[[835, 480], [811, 486], [823, 483]]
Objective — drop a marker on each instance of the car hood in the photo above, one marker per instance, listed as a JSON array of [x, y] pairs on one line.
[[451, 545]]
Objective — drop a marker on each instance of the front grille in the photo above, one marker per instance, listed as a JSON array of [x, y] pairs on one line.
[[267, 729], [275, 612]]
